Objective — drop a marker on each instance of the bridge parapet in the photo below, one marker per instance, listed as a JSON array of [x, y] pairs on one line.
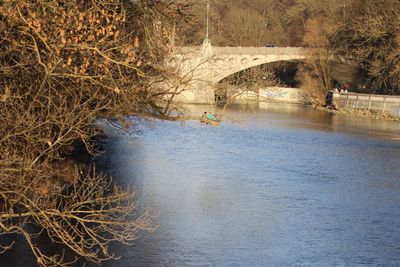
[[259, 51], [239, 51]]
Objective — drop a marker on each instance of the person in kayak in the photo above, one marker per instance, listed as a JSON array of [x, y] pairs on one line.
[[211, 116]]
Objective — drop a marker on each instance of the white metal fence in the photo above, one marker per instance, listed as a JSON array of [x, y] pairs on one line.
[[383, 104]]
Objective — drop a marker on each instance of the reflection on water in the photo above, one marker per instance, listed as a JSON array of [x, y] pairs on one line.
[[276, 185]]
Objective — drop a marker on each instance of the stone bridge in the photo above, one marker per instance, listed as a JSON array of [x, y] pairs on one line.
[[199, 69]]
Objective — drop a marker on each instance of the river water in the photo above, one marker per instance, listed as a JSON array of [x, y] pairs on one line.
[[273, 185], [278, 185]]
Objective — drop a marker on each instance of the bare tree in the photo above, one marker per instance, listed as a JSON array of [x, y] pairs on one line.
[[369, 34], [63, 64], [316, 71], [85, 217]]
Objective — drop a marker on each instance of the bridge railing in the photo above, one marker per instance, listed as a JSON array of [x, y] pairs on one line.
[[259, 51], [383, 104], [228, 50]]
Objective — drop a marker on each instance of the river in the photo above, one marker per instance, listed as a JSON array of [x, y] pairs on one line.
[[279, 185], [273, 185]]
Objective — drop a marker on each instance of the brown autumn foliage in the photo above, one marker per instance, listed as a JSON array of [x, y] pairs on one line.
[[64, 64]]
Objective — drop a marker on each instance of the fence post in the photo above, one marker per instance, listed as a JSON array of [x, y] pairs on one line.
[[384, 104], [369, 103], [357, 103]]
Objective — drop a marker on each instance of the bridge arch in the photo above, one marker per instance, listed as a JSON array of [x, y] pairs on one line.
[[206, 69], [229, 60]]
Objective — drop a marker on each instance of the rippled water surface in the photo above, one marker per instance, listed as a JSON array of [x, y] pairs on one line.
[[279, 186], [272, 186]]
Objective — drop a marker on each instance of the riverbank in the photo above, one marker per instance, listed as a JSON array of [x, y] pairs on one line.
[[360, 113], [193, 111]]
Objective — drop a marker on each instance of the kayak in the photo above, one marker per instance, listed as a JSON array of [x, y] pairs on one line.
[[215, 122]]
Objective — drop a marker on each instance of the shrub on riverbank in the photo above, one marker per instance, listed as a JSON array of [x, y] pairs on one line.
[[62, 65]]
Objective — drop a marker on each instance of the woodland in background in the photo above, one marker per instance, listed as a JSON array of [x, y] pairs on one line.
[[364, 32]]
